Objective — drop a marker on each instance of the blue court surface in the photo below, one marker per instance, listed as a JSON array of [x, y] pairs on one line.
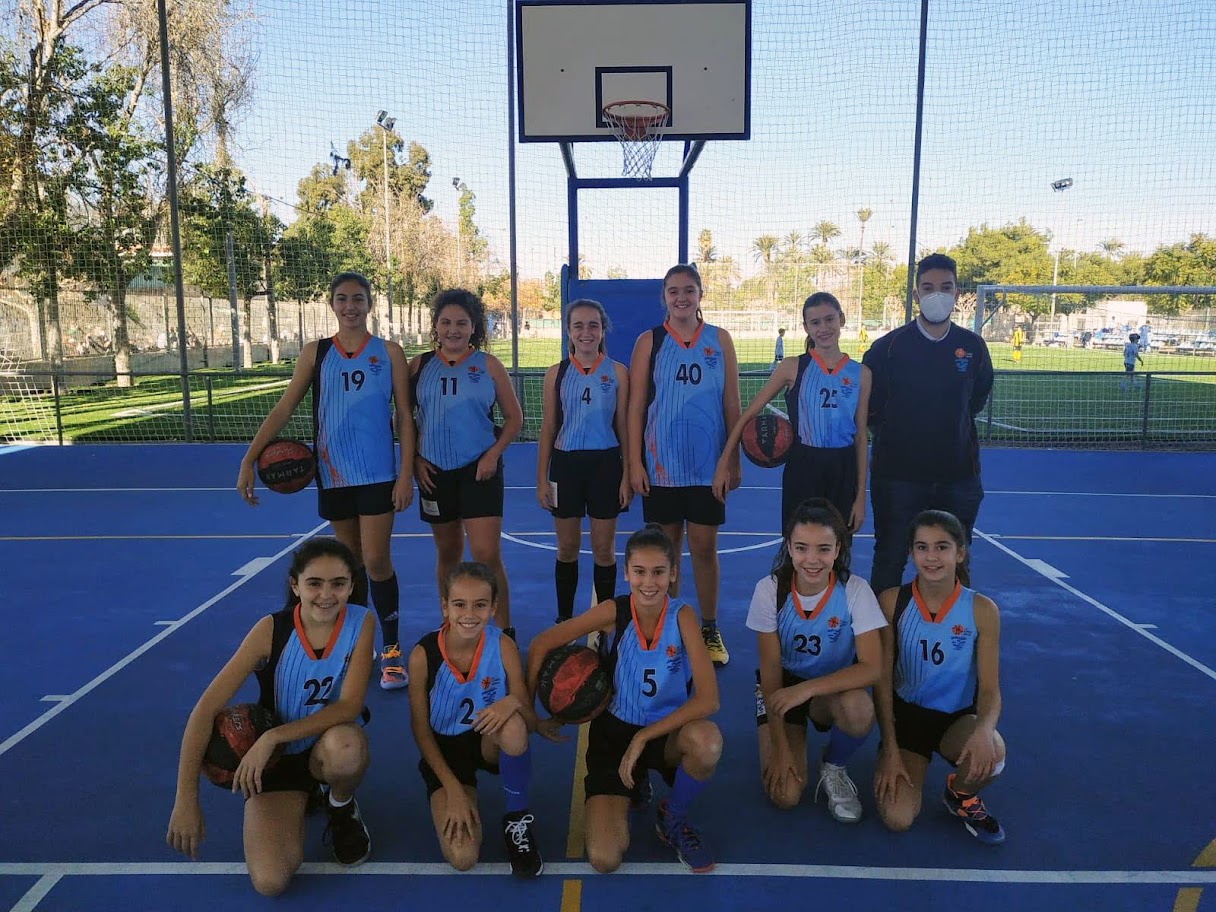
[[131, 573]]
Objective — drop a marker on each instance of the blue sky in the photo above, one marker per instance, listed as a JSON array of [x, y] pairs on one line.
[[1116, 95]]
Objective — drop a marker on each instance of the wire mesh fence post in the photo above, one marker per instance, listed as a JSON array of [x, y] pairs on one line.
[[58, 409], [1148, 381]]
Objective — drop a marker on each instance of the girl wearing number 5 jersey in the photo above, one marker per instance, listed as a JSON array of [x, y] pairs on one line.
[[683, 396], [579, 470], [939, 692], [358, 382], [664, 691], [459, 465]]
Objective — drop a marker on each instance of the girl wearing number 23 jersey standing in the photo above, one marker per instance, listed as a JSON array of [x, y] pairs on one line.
[[358, 382], [683, 396]]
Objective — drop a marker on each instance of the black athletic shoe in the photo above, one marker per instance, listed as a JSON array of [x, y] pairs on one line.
[[346, 834], [318, 798], [522, 850]]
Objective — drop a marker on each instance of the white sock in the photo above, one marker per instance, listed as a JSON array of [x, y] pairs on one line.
[[339, 804]]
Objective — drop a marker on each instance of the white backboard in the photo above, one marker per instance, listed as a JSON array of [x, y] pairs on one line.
[[575, 57]]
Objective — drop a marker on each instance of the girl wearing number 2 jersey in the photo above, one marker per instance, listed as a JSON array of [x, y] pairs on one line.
[[683, 395], [359, 382], [939, 691]]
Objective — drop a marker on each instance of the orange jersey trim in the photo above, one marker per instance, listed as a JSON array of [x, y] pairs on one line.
[[298, 622], [844, 359], [354, 354], [946, 605], [658, 627], [458, 361], [691, 342], [587, 370], [823, 599], [460, 676]]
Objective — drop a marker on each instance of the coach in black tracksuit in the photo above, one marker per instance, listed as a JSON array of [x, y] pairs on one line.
[[931, 378]]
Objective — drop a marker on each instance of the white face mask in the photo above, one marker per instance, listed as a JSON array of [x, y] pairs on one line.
[[936, 307]]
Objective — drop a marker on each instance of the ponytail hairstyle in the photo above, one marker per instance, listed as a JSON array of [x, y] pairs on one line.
[[470, 304], [309, 552], [818, 299], [473, 570], [689, 270], [814, 511], [605, 323], [950, 524], [652, 535]]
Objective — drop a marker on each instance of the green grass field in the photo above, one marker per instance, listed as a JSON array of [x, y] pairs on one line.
[[1056, 397]]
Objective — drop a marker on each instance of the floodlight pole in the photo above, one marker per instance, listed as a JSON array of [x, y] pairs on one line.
[[1057, 186], [386, 123]]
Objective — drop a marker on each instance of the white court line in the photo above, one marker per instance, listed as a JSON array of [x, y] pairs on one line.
[[37, 893], [69, 700], [646, 869], [1107, 538], [1126, 622]]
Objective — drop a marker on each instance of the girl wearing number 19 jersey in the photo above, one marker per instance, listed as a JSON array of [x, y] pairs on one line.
[[683, 395]]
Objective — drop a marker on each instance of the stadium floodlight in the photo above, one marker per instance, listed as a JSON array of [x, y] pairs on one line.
[[1057, 186], [1062, 184]]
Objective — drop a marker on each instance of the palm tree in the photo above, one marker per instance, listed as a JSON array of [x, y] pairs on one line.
[[1111, 247], [763, 249], [825, 231], [880, 253], [794, 255], [706, 251]]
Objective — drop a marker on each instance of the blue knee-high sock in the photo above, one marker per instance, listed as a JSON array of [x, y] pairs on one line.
[[841, 747], [516, 773], [386, 596], [683, 791]]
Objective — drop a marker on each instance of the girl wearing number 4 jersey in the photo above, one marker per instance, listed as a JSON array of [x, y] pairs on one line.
[[683, 395], [579, 469], [939, 690], [459, 465], [827, 397], [664, 692], [817, 628], [358, 382]]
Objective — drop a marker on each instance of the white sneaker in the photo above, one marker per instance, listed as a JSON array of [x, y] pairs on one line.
[[843, 803]]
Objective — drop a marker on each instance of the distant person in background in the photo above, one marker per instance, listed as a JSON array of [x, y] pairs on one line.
[[1145, 342], [779, 347], [1018, 340], [863, 338], [1131, 354], [931, 377]]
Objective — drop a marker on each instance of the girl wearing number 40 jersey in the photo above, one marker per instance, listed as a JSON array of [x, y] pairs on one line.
[[940, 691], [683, 396], [459, 465], [358, 382], [579, 469], [664, 691]]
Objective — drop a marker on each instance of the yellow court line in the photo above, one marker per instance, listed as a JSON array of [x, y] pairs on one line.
[[1207, 858], [572, 895], [576, 836], [1187, 898]]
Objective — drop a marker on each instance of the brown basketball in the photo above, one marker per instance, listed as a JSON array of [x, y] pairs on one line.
[[235, 730], [574, 686], [767, 439], [286, 466]]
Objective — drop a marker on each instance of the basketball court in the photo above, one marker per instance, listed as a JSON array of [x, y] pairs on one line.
[[140, 569]]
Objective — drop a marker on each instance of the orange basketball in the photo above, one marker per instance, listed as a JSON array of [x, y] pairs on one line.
[[767, 439], [286, 466]]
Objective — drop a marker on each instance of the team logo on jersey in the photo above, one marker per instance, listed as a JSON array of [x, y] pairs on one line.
[[605, 382], [674, 657], [834, 628], [475, 374], [374, 364], [959, 636], [489, 690], [845, 381], [962, 360], [711, 356]]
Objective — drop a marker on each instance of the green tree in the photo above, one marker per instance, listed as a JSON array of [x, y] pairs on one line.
[[706, 251], [1189, 263], [1014, 254]]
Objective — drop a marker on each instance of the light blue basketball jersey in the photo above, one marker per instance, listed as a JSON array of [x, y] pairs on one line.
[[586, 405], [685, 429], [457, 698], [935, 658], [822, 402], [306, 681], [455, 404], [816, 636], [352, 417], [650, 681]]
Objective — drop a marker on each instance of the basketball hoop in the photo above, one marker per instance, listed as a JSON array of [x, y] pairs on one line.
[[639, 126]]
